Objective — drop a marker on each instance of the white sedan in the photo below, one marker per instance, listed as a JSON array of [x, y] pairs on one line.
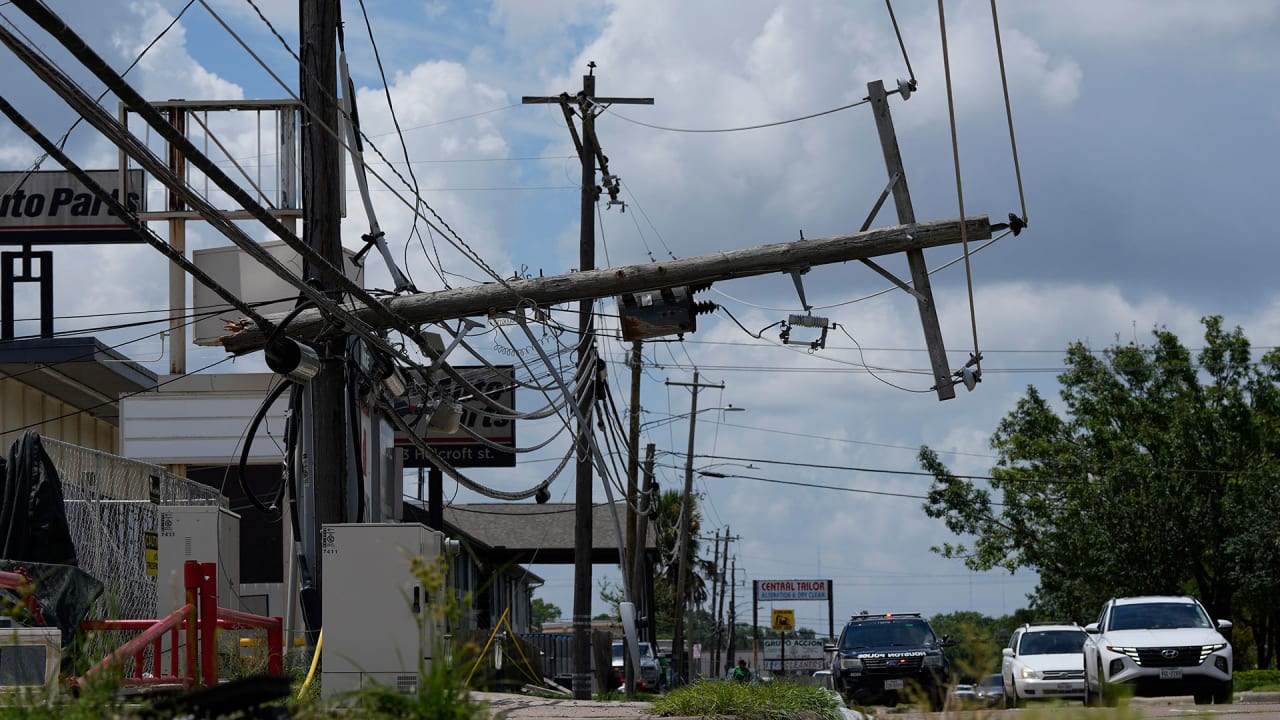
[[1043, 662]]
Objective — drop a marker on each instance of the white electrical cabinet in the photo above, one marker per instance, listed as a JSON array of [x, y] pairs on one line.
[[378, 623], [204, 533]]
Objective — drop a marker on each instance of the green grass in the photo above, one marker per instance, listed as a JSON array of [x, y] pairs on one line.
[[767, 701], [1258, 681]]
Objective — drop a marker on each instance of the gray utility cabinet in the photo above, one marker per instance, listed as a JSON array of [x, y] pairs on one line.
[[378, 622]]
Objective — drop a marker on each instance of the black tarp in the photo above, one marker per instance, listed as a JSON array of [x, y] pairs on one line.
[[35, 540], [33, 521]]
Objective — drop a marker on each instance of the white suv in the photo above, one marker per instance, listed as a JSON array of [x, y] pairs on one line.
[[1159, 645], [1043, 662]]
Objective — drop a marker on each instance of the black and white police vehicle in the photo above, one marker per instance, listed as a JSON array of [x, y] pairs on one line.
[[890, 658]]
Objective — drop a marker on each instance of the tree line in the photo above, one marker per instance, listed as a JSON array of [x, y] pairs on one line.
[[1157, 473]]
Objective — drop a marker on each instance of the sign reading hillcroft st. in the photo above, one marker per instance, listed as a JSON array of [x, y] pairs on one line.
[[774, 590]]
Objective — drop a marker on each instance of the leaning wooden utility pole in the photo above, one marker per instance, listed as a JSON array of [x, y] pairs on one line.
[[321, 200], [915, 258], [588, 151], [476, 300]]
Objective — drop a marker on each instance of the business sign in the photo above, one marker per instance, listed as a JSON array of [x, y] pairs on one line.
[[461, 449], [779, 590], [802, 664], [53, 208], [797, 648]]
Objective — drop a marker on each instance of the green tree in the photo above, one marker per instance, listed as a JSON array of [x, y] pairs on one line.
[[667, 534], [542, 611], [1159, 476]]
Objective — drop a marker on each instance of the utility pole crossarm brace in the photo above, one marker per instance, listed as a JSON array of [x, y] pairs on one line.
[[441, 305]]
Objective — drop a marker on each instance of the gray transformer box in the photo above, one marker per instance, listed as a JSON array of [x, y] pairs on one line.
[[378, 623], [204, 533]]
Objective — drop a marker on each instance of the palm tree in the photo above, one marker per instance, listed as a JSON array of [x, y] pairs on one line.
[[667, 530]]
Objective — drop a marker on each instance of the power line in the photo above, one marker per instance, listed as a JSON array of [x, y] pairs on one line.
[[863, 101], [113, 402]]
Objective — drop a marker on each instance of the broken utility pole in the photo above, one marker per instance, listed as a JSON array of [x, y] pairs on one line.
[[554, 289]]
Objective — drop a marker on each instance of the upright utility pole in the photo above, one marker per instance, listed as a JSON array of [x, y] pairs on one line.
[[684, 556], [633, 554], [318, 25], [639, 577], [724, 580], [715, 589], [588, 150]]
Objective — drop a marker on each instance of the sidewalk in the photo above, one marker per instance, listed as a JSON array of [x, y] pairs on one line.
[[507, 706]]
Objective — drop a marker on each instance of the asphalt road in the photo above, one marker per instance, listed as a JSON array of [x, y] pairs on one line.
[[1249, 705]]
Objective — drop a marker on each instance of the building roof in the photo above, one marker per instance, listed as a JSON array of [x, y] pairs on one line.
[[529, 532], [79, 371]]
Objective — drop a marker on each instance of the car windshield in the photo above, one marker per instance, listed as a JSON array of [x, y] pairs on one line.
[[888, 634], [993, 681], [1052, 642], [1156, 616], [646, 651]]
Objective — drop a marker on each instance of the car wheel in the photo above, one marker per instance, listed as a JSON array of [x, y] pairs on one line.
[[1011, 697], [1225, 694], [1203, 698], [1107, 695]]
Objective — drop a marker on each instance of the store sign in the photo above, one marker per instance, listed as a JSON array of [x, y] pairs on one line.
[[776, 590], [54, 208], [462, 448]]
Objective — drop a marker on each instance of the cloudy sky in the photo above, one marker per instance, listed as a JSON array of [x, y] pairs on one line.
[[1148, 145]]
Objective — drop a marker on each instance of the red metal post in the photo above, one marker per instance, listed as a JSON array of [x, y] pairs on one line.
[[173, 653], [209, 623], [191, 577]]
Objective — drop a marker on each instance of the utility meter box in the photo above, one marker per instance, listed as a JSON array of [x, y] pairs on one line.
[[204, 533], [378, 624]]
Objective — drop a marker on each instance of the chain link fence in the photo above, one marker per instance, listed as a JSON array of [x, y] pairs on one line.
[[113, 507]]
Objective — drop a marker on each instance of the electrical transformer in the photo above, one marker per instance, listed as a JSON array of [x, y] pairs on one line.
[[378, 624], [204, 533]]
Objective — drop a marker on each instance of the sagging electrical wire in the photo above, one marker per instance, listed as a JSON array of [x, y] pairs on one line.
[[457, 240], [120, 211], [73, 94], [273, 511]]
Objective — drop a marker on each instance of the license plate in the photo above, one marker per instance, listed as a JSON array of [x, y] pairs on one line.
[[1170, 673], [1063, 686], [893, 684]]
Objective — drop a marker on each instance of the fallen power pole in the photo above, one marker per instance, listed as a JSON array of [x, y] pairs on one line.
[[552, 290]]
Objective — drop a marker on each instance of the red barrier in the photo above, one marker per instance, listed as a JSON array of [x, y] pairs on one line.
[[200, 618], [12, 580]]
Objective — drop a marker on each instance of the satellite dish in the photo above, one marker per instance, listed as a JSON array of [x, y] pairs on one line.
[[969, 378]]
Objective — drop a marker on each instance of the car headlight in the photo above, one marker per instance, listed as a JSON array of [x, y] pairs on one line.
[[1206, 650], [933, 661], [1031, 674], [850, 664]]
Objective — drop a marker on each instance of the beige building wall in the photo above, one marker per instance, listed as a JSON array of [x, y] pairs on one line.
[[22, 405]]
